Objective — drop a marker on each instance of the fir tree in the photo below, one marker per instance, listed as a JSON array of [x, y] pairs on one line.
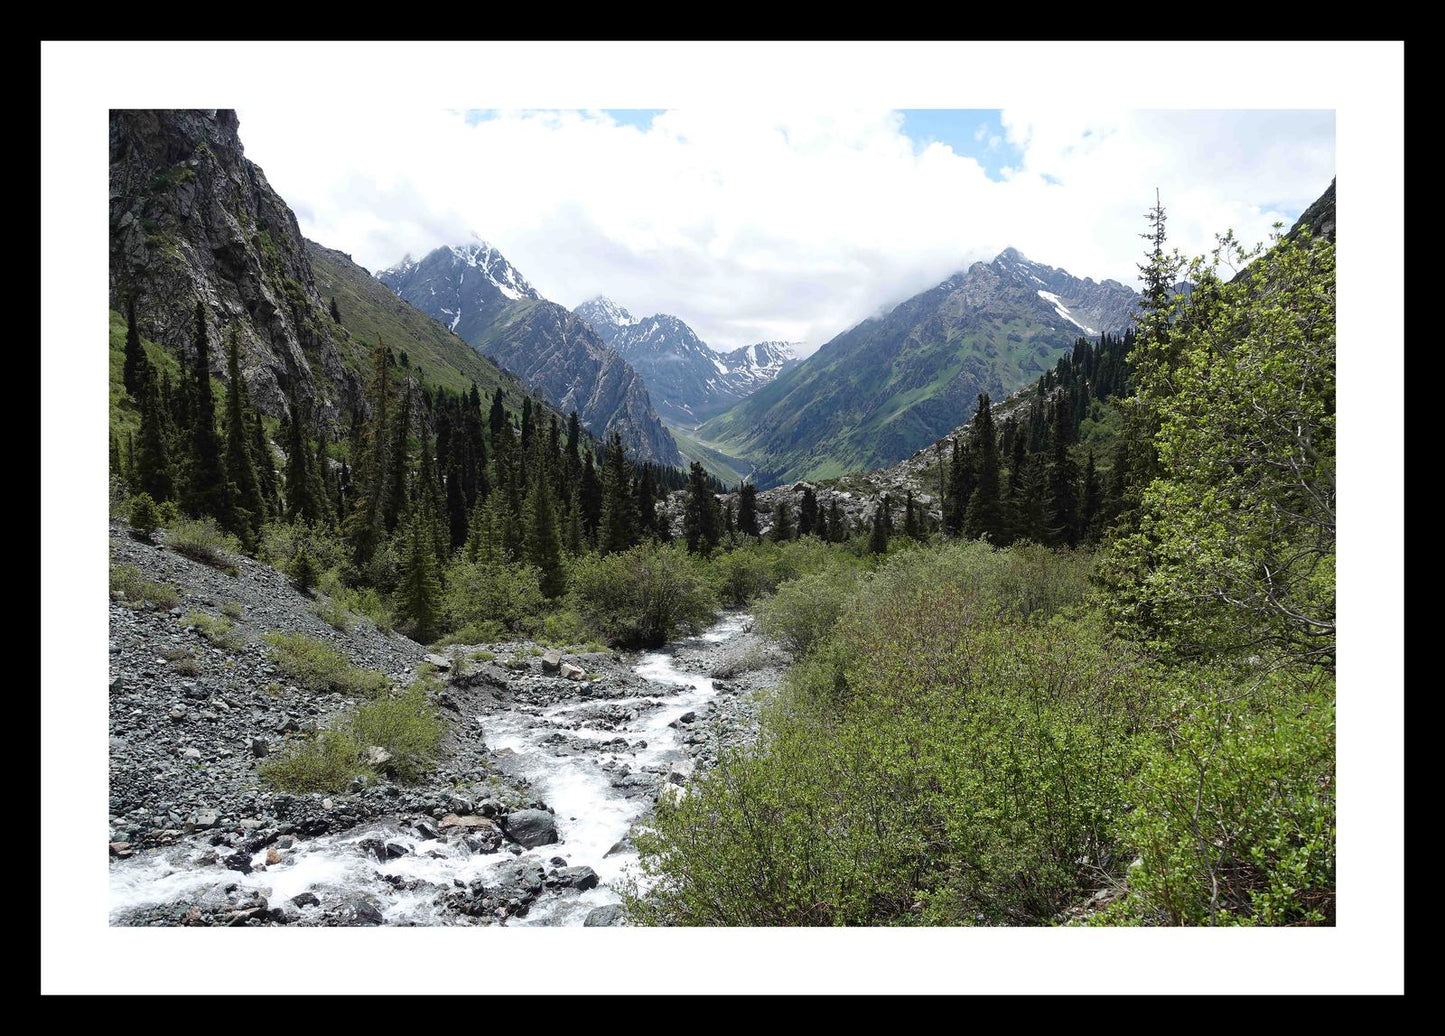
[[573, 537], [528, 430], [456, 503], [698, 518], [144, 517], [363, 527], [302, 570], [984, 515], [961, 480], [647, 519], [912, 526], [808, 513], [748, 509], [544, 539], [1093, 501], [249, 510], [205, 485], [782, 522], [498, 419], [261, 457], [730, 524], [137, 366], [394, 502], [303, 503]]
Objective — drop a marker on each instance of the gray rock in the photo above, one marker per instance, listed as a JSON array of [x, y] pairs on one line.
[[206, 817], [552, 661], [305, 899], [260, 748], [395, 850], [582, 878], [178, 712], [364, 910], [377, 756], [531, 827], [191, 753], [572, 672], [603, 916], [442, 662]]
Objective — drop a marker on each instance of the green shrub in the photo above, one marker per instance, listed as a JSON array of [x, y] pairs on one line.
[[202, 540], [131, 588], [232, 609], [333, 614], [742, 575], [168, 513], [478, 592], [326, 762], [144, 516], [318, 667], [404, 724], [481, 656], [475, 633], [216, 629], [282, 541], [1234, 816], [302, 571], [643, 597], [802, 611], [563, 628], [929, 762]]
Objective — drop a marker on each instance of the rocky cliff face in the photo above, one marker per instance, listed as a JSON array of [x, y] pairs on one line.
[[192, 219], [464, 287], [561, 357]]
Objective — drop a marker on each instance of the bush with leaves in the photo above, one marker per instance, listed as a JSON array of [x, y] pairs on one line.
[[642, 597], [406, 725], [318, 666], [145, 517], [802, 611], [507, 596], [201, 539]]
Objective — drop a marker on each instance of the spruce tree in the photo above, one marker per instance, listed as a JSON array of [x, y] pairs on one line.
[[836, 533], [544, 538], [984, 515], [206, 483], [808, 513], [591, 494], [878, 537], [249, 510], [261, 457], [302, 570], [399, 460], [419, 595], [1093, 501], [573, 538], [647, 518], [1061, 502], [456, 503], [527, 424], [782, 522], [498, 418], [730, 523], [698, 517], [748, 509], [617, 526], [912, 526], [150, 459], [137, 365], [961, 480], [363, 528]]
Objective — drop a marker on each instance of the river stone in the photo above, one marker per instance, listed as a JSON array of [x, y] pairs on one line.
[[260, 748], [452, 820], [305, 899], [206, 817], [603, 916], [582, 878], [552, 661], [364, 910], [531, 827], [377, 756], [442, 662], [572, 672]]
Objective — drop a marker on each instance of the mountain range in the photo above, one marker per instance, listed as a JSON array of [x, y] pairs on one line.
[[688, 380], [897, 381], [481, 297]]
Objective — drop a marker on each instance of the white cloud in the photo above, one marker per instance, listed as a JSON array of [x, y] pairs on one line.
[[783, 226]]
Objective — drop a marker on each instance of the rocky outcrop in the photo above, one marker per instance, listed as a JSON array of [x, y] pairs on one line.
[[191, 218]]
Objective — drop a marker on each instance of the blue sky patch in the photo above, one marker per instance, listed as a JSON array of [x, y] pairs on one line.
[[974, 132]]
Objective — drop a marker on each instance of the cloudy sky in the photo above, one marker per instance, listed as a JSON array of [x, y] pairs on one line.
[[785, 225]]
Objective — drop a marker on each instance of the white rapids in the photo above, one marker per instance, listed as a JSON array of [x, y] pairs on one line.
[[592, 818]]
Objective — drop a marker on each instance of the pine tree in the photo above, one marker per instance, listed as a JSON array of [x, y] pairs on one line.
[[698, 518], [730, 523], [335, 310], [302, 570], [647, 519], [1061, 503], [456, 503], [206, 484], [961, 481], [748, 510], [527, 424], [617, 526], [782, 522], [144, 516], [419, 595], [808, 513], [573, 538], [984, 515], [544, 539], [248, 512], [498, 417], [836, 533], [150, 461], [261, 457], [137, 366]]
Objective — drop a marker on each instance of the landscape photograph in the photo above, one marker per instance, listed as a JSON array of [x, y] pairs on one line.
[[624, 503]]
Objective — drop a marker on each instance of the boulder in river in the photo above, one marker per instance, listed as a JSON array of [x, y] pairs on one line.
[[552, 661], [581, 878], [603, 916], [572, 672], [531, 827]]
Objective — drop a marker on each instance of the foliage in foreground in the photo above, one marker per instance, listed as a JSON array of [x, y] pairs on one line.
[[643, 597], [318, 667]]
